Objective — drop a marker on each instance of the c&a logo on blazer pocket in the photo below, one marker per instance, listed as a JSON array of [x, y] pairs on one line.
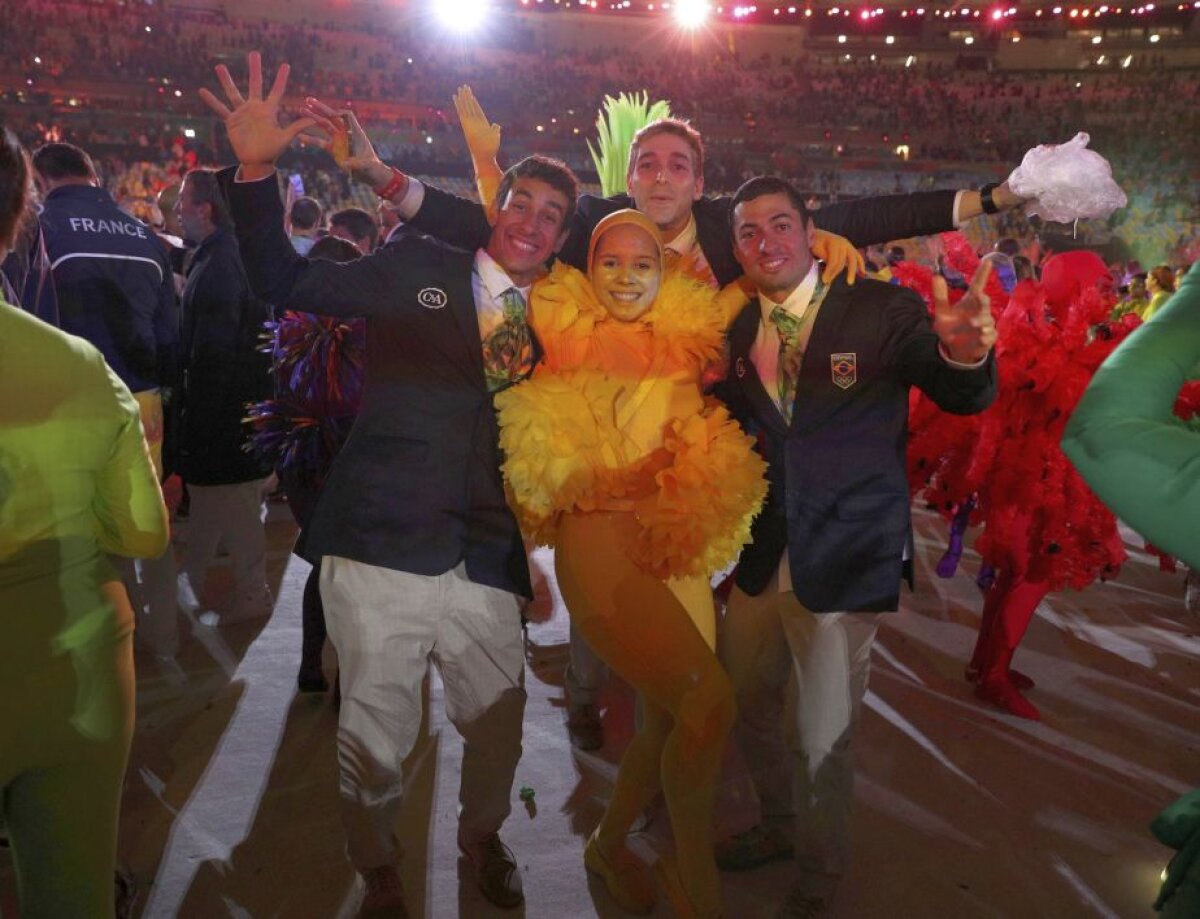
[[432, 298]]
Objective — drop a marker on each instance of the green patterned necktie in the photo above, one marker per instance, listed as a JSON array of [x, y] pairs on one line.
[[508, 348], [791, 355]]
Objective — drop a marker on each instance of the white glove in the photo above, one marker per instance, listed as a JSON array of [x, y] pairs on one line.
[[1068, 182]]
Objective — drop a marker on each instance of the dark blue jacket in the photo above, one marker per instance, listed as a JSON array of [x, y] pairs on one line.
[[224, 369], [838, 498], [417, 487], [113, 283]]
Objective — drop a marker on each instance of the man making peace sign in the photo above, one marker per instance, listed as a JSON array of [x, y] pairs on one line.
[[821, 374]]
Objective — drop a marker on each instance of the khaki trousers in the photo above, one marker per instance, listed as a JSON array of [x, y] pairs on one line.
[[799, 679], [232, 516], [387, 626]]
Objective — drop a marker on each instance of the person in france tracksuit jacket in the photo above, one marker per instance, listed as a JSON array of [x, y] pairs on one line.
[[115, 289]]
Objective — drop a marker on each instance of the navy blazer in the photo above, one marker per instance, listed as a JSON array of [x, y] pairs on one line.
[[838, 497], [224, 367], [417, 486], [865, 222]]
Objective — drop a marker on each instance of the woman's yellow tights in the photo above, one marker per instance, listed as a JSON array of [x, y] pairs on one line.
[[642, 630]]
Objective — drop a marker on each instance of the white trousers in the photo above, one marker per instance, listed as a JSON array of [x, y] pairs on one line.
[[232, 516], [386, 626], [800, 678]]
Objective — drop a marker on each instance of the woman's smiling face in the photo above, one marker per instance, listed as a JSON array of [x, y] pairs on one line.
[[626, 271]]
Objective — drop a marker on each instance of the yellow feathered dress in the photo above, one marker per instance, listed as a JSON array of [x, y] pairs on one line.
[[614, 419]]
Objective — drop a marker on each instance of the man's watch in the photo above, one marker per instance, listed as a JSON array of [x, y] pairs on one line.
[[986, 200]]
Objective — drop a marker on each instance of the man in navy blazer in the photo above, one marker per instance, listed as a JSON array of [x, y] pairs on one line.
[[821, 376], [421, 558]]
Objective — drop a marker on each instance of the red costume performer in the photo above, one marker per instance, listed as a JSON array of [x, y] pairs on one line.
[[1043, 527]]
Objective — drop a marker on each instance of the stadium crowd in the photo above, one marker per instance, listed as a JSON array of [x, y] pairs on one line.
[[833, 128]]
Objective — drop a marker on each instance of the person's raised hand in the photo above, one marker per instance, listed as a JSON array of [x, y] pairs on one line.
[[966, 329], [482, 136], [483, 141], [252, 121], [358, 157]]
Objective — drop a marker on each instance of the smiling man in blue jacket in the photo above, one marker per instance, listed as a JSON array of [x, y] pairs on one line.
[[820, 375]]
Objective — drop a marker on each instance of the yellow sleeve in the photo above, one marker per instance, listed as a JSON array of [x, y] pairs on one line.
[[128, 504]]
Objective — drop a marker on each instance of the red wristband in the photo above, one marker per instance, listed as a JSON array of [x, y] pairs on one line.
[[397, 182]]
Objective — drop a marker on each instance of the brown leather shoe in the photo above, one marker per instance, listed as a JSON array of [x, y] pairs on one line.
[[384, 898], [757, 846], [496, 870]]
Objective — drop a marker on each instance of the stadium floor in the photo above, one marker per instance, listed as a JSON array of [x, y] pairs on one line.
[[230, 801]]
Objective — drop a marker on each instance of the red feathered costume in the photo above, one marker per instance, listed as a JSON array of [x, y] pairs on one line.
[[1043, 527]]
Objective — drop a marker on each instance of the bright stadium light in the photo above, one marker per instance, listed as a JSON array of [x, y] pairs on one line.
[[691, 14], [461, 15]]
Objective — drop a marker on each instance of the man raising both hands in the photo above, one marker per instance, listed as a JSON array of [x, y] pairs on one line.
[[421, 558]]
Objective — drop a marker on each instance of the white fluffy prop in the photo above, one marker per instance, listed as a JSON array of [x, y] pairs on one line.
[[1068, 182]]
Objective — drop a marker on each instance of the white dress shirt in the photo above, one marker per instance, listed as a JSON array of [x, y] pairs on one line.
[[414, 197], [488, 283], [954, 214], [764, 353]]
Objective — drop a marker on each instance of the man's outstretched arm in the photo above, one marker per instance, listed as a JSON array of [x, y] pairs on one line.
[[276, 272]]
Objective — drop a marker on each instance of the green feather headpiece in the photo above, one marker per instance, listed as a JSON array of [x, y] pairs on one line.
[[619, 119]]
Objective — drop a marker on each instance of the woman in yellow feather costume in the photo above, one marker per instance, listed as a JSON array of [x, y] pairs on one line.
[[645, 488]]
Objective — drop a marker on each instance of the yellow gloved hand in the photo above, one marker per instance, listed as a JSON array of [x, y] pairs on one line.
[[340, 145], [838, 255], [347, 143], [483, 140]]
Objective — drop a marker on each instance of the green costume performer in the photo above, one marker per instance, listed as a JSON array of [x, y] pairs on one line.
[[1145, 465], [76, 482], [1125, 440]]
